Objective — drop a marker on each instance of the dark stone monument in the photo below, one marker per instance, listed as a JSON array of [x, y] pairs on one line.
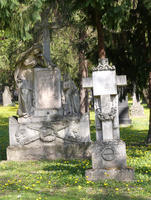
[[123, 107]]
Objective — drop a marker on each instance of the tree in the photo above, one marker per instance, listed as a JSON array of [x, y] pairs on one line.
[[133, 45], [30, 21], [111, 14]]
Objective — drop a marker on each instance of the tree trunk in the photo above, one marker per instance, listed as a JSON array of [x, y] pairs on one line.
[[149, 131], [101, 49], [83, 71]]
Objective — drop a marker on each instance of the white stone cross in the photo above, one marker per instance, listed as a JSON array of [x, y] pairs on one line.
[[104, 83]]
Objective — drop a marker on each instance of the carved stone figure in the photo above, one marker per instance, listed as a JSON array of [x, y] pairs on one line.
[[24, 81], [24, 78], [70, 97]]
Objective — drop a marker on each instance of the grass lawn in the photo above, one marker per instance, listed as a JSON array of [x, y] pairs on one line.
[[63, 180]]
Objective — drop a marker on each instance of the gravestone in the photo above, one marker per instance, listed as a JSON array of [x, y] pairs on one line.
[[108, 152], [6, 96], [49, 125], [123, 107], [136, 109]]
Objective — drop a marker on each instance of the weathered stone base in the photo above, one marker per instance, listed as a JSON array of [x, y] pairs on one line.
[[124, 174], [49, 152], [109, 154]]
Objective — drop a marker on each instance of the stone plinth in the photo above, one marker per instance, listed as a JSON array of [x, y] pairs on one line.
[[54, 151], [109, 154], [123, 174]]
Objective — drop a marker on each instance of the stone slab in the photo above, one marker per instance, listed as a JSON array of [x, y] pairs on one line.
[[124, 174], [49, 152], [109, 154], [47, 88], [104, 83]]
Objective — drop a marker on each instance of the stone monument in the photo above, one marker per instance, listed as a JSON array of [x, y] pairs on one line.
[[136, 109], [49, 125], [108, 152], [7, 97], [123, 107]]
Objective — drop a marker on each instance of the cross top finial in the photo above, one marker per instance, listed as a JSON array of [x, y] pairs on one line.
[[103, 65]]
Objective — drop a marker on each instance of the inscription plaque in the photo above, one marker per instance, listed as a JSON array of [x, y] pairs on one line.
[[47, 88], [104, 83]]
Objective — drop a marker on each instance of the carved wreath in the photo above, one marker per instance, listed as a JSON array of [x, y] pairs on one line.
[[105, 116]]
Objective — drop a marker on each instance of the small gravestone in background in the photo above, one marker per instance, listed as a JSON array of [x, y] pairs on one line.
[[136, 110], [108, 152], [123, 107], [6, 96], [49, 125]]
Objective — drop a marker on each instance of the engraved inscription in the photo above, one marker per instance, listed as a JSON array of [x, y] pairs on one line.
[[108, 154], [47, 86]]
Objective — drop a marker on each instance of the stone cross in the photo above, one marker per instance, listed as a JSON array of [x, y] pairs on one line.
[[104, 83]]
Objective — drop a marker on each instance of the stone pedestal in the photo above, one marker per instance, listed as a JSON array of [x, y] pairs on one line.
[[109, 154], [122, 174], [109, 162], [45, 129], [49, 151]]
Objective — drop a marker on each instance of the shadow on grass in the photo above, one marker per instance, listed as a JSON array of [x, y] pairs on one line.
[[73, 167], [115, 197], [4, 138], [133, 136], [65, 195], [143, 170]]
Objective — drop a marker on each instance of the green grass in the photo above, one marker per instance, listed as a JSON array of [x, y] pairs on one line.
[[63, 180]]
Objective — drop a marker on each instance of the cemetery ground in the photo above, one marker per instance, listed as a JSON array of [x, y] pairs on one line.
[[65, 180]]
